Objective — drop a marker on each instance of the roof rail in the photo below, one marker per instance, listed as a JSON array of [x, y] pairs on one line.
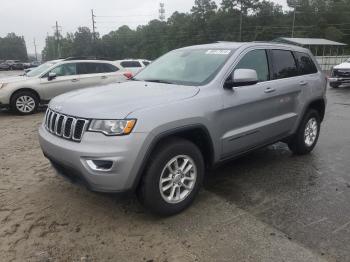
[[84, 58]]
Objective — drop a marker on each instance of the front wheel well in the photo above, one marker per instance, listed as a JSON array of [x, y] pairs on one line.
[[25, 89], [320, 106], [198, 135]]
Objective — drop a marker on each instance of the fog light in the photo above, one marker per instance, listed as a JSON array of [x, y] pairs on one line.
[[100, 165]]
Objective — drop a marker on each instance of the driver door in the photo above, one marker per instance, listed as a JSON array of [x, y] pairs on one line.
[[66, 80], [248, 109]]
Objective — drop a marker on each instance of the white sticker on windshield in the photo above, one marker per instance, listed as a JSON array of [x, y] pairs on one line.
[[218, 52]]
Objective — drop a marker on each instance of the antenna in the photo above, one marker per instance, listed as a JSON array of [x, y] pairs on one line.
[[161, 12]]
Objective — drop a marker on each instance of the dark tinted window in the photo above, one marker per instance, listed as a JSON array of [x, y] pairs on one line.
[[96, 68], [108, 68], [146, 63], [256, 60], [130, 64], [283, 64], [305, 64]]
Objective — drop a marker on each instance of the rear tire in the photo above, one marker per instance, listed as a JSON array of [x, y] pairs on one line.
[[173, 177], [306, 137], [24, 103]]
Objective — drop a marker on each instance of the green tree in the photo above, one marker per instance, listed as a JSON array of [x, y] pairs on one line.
[[13, 47]]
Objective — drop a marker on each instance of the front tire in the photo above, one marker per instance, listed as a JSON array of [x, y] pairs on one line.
[[173, 177], [24, 103], [307, 134], [334, 85]]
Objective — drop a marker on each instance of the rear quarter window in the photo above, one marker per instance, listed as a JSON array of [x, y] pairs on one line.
[[305, 64]]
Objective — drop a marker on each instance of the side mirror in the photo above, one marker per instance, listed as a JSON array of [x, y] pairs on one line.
[[51, 76], [242, 77]]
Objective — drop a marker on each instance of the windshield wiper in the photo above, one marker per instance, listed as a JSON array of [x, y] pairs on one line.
[[158, 81]]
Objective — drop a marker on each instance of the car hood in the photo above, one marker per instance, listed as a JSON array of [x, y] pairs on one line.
[[344, 65], [117, 101], [13, 79]]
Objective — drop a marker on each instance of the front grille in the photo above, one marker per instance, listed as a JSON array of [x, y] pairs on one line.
[[64, 126], [341, 72]]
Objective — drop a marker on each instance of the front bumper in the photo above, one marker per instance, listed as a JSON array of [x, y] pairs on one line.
[[70, 158], [339, 80]]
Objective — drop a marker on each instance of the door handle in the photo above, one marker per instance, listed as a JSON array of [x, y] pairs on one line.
[[75, 80], [103, 77], [303, 83], [269, 90]]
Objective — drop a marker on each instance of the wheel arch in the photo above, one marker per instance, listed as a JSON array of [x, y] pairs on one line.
[[25, 89], [319, 105], [197, 133]]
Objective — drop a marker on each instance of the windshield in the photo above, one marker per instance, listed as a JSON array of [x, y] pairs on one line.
[[186, 67], [40, 69]]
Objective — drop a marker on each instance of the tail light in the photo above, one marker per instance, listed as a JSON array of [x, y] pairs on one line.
[[128, 75]]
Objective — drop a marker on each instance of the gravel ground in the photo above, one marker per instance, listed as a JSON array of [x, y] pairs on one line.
[[266, 206]]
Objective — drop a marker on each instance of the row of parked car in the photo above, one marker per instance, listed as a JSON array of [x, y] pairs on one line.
[[17, 65], [23, 94]]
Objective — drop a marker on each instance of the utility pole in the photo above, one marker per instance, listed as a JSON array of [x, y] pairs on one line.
[[57, 36], [161, 12], [93, 24], [295, 7], [36, 54], [241, 22], [93, 31]]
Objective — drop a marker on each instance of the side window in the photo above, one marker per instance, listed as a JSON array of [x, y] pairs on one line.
[[256, 60], [130, 64], [146, 63], [88, 68], [65, 69], [108, 68], [305, 64], [284, 65]]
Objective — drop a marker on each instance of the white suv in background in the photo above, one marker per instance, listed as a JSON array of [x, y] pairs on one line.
[[23, 94], [132, 65]]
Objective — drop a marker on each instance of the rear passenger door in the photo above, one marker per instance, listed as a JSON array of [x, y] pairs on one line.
[[89, 74], [287, 87], [309, 77]]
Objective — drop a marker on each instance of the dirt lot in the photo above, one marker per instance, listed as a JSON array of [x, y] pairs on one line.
[[267, 206]]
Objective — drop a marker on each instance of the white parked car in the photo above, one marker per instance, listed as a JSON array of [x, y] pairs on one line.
[[133, 65], [23, 94], [340, 74]]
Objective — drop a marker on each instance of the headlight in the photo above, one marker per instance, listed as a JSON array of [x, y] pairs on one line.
[[112, 127]]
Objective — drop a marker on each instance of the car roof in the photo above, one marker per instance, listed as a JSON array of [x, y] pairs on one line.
[[236, 45], [86, 61]]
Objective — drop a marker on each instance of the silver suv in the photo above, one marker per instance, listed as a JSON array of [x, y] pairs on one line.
[[189, 110], [23, 94]]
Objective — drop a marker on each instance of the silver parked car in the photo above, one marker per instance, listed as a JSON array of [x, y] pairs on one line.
[[191, 109], [23, 94]]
